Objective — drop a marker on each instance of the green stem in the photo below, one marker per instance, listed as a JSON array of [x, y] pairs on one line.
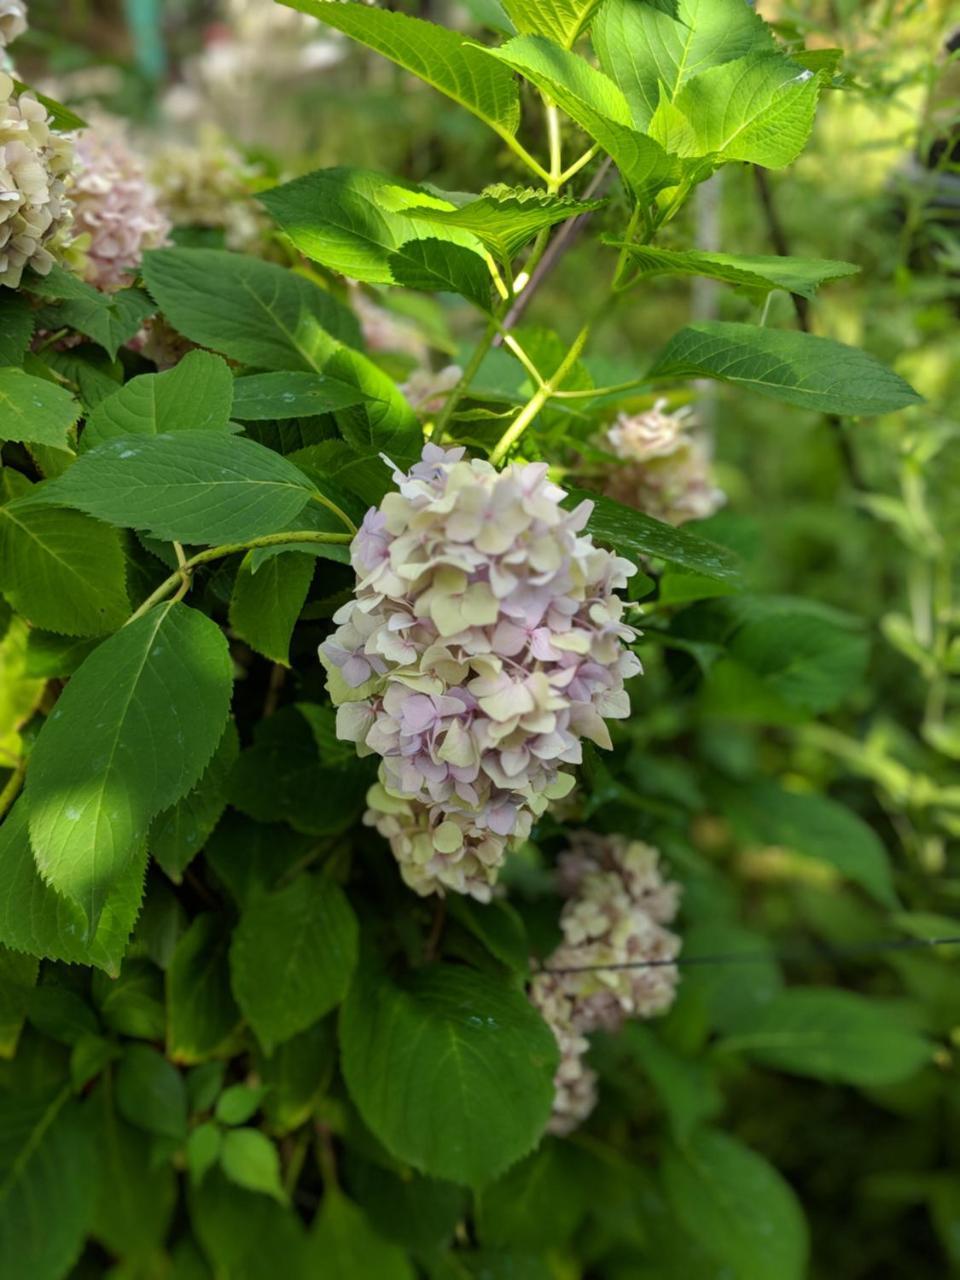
[[520, 150], [183, 571], [577, 165], [12, 788], [460, 390], [342, 516], [591, 393], [538, 400], [553, 136]]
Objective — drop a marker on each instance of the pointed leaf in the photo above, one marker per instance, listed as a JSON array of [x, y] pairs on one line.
[[110, 319], [131, 733], [35, 411], [16, 327], [201, 1013], [798, 368], [343, 1244], [179, 833], [275, 396], [561, 20], [266, 604], [759, 273]]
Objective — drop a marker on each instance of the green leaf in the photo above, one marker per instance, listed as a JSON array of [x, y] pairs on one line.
[[470, 1063], [266, 604], [250, 1159], [815, 827], [537, 1204], [48, 1181], [444, 59], [16, 327], [252, 311], [61, 1014], [131, 733], [203, 1150], [419, 1213], [132, 1004], [832, 1035], [562, 20], [238, 1103], [276, 396], [34, 918], [54, 656], [596, 104], [61, 570], [759, 273], [201, 1013], [110, 319], [35, 411], [667, 42], [195, 395], [635, 534], [151, 1093], [297, 1074], [247, 1236], [798, 368], [355, 221], [738, 1207], [344, 1246], [200, 487], [178, 834], [292, 956], [505, 218], [249, 857], [137, 1194], [62, 117], [759, 109], [685, 1086], [18, 977]]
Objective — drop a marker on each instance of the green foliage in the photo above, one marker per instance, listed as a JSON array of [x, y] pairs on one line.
[[35, 410]]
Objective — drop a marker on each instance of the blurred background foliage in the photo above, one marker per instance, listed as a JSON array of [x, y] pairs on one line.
[[861, 516]]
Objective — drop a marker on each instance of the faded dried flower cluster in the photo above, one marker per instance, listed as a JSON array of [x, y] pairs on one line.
[[665, 467], [35, 163], [484, 642], [115, 208], [617, 906], [13, 21]]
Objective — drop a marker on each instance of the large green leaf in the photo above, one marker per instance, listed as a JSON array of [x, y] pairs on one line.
[[596, 104], [813, 373], [505, 218], [18, 977], [195, 395], [815, 827], [561, 20], [201, 1013], [246, 1236], [470, 1068], [443, 58], [832, 1035], [758, 273], [634, 534], [110, 319], [666, 42], [292, 956], [131, 733], [48, 1184], [16, 327], [354, 221], [738, 1207], [61, 570], [151, 1094], [344, 1246], [275, 396], [35, 411], [266, 604], [759, 109], [253, 311], [192, 486], [179, 833]]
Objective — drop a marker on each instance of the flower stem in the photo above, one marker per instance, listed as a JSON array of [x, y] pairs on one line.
[[538, 400], [184, 570]]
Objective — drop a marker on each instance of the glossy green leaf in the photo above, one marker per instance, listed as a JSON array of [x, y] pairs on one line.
[[758, 273], [35, 411], [798, 368], [292, 956], [195, 395], [132, 732], [470, 1063], [61, 570], [738, 1207], [201, 1013], [191, 486], [179, 833], [444, 59], [561, 20], [275, 396], [266, 604], [239, 1103], [250, 1159], [832, 1035], [667, 42]]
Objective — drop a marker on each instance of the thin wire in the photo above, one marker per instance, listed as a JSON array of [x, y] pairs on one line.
[[752, 957]]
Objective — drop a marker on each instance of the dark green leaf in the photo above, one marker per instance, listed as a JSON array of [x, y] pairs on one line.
[[16, 327], [201, 1013], [18, 977], [151, 1093], [110, 319], [344, 1245], [35, 411], [276, 396], [266, 604], [178, 834], [136, 1194]]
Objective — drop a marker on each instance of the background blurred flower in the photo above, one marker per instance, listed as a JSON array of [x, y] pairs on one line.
[[34, 165], [13, 20]]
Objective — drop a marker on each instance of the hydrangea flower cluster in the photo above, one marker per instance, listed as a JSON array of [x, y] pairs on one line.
[[484, 642], [13, 21], [207, 184], [617, 906], [665, 466], [115, 208], [35, 163]]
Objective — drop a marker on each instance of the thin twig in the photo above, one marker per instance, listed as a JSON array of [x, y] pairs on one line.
[[12, 788]]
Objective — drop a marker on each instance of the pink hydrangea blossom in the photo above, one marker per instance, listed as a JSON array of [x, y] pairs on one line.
[[115, 207], [617, 906], [485, 641]]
